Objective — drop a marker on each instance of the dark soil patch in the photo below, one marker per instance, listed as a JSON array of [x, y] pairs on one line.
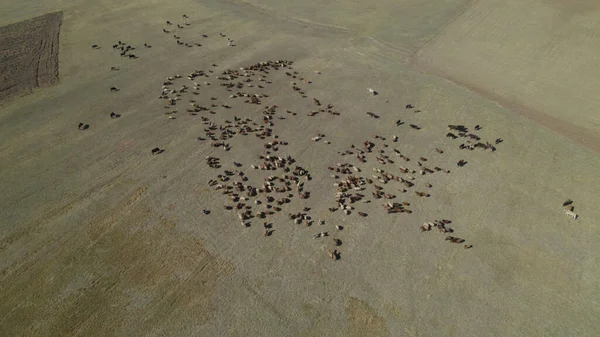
[[29, 55]]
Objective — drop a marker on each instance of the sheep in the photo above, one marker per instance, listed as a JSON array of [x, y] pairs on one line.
[[571, 214]]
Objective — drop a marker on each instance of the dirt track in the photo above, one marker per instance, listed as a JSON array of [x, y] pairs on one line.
[[29, 55]]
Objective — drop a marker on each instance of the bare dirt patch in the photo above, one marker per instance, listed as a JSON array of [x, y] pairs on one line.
[[363, 320], [29, 55]]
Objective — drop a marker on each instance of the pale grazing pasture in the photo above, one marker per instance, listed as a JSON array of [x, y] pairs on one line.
[[141, 210]]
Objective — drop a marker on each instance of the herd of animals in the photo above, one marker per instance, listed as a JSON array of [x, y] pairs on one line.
[[284, 180], [393, 174]]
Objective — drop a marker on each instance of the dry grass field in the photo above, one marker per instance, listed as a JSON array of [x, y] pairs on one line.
[[535, 56], [99, 237]]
